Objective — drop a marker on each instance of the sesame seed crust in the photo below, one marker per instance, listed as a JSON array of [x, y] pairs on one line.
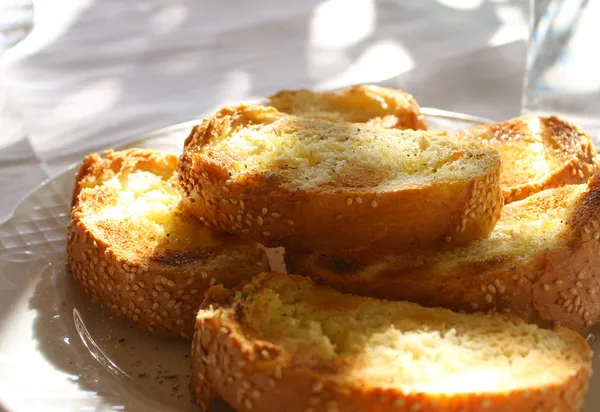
[[556, 284], [287, 382], [373, 105], [438, 214], [154, 289], [568, 153]]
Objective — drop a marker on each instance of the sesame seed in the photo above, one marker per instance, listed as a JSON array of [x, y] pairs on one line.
[[265, 354], [373, 204], [349, 201], [248, 404], [488, 298], [573, 171], [277, 372], [290, 222], [448, 239], [260, 220], [248, 222], [242, 205], [566, 303], [592, 291], [546, 287], [596, 235], [332, 406], [558, 282], [580, 173], [491, 288], [573, 291], [588, 323], [239, 218], [264, 210], [179, 322], [204, 174], [483, 288], [358, 200], [245, 231], [579, 284], [189, 281], [276, 215], [212, 281], [266, 233], [580, 276], [586, 315], [317, 387]]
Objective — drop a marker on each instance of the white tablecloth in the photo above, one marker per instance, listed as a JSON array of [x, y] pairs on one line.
[[94, 73]]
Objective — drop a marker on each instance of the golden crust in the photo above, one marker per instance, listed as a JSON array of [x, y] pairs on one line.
[[538, 153], [559, 284], [260, 206], [158, 287], [377, 106], [249, 373]]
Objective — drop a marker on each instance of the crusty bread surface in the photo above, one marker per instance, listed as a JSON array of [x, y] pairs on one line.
[[311, 184], [542, 262], [280, 343], [133, 250], [377, 106], [537, 153]]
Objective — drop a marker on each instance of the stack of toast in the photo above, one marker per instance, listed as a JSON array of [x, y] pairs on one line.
[[426, 270]]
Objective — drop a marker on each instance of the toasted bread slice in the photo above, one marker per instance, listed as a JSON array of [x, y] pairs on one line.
[[537, 153], [542, 262], [132, 249], [377, 106], [318, 185], [280, 343]]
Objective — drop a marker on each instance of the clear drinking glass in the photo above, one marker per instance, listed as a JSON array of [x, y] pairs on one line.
[[563, 62]]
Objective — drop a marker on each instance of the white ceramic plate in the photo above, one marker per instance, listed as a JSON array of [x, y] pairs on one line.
[[61, 352]]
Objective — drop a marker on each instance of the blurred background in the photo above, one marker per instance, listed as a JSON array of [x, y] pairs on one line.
[[93, 73]]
